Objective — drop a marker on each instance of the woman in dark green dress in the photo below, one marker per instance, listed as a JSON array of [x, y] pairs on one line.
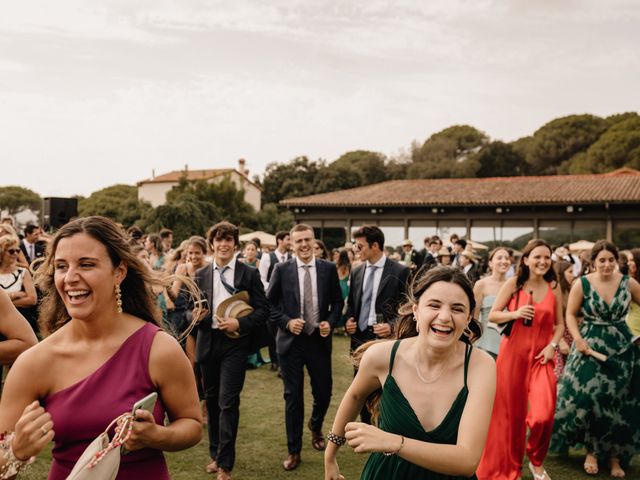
[[432, 392], [599, 402]]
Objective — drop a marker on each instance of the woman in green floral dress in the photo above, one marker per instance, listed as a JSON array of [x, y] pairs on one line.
[[599, 401]]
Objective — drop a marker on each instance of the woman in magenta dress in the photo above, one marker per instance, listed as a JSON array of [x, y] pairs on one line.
[[526, 384], [103, 353]]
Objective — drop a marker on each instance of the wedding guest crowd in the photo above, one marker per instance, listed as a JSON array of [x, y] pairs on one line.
[[431, 404]]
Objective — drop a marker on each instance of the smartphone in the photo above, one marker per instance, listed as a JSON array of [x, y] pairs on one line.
[[147, 403]]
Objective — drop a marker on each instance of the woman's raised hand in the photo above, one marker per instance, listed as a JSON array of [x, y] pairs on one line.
[[34, 429], [364, 438]]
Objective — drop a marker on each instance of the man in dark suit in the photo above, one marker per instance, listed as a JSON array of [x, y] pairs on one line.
[[377, 290], [31, 245], [223, 360], [306, 304], [431, 252]]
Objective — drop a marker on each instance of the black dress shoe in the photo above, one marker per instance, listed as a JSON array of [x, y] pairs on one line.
[[291, 462]]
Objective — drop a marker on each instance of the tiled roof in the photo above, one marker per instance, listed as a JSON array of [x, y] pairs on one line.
[[191, 175], [620, 186]]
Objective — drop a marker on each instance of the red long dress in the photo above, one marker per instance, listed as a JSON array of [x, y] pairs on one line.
[[525, 396]]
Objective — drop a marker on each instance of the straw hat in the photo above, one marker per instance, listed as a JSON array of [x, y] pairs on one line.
[[407, 242], [469, 255], [444, 252], [236, 306]]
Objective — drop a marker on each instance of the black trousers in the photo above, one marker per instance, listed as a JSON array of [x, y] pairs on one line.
[[223, 376], [360, 338], [309, 351]]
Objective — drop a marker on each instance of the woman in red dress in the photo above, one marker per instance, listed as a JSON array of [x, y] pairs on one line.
[[526, 384]]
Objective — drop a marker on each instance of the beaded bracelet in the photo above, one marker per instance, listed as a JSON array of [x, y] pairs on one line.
[[338, 440], [388, 454], [12, 464]]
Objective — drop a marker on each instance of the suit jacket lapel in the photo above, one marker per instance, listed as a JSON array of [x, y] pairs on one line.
[[358, 284], [238, 273], [320, 281], [386, 274], [293, 265]]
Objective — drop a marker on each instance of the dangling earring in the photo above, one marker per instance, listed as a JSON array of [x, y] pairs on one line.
[[118, 297], [417, 324], [467, 332]]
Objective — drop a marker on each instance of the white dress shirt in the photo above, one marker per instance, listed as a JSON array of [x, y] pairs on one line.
[[219, 292], [265, 263], [377, 276]]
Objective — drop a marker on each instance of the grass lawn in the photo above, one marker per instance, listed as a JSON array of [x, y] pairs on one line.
[[261, 443]]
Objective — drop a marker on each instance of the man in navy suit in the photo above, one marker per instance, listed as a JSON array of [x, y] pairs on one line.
[[223, 360], [305, 305], [31, 246], [377, 289]]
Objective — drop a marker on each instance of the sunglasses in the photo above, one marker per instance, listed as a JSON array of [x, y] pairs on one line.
[[13, 251]]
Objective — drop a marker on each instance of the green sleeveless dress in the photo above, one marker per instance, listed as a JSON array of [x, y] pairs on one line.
[[598, 403], [397, 416]]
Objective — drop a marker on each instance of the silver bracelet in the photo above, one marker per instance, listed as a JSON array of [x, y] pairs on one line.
[[338, 440]]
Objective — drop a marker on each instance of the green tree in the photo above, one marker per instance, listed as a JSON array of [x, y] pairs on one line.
[[117, 202], [337, 177], [448, 153], [216, 200], [499, 159], [14, 199], [185, 215], [369, 165], [272, 219], [559, 140], [618, 147], [292, 179]]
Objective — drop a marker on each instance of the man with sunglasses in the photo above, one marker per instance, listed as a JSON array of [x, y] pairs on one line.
[[377, 288]]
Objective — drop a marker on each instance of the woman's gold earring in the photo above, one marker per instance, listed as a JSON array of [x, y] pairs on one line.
[[118, 298], [417, 324]]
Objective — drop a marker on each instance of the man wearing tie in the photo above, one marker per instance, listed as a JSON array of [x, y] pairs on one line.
[[223, 360], [30, 246], [305, 305], [281, 254], [377, 289]]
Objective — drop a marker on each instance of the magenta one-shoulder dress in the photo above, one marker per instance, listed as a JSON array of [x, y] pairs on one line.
[[82, 411]]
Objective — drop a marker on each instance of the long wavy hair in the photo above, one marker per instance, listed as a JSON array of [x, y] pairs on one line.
[[405, 326], [137, 296], [523, 272]]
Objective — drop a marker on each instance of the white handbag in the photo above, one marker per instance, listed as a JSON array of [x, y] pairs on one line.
[[101, 459]]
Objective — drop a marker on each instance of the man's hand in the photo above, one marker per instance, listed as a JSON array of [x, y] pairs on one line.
[[296, 325], [228, 324], [350, 326], [382, 330], [325, 329]]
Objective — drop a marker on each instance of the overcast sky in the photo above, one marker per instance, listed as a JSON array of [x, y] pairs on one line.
[[94, 93]]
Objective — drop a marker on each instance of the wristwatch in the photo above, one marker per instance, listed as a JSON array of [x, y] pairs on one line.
[[554, 345]]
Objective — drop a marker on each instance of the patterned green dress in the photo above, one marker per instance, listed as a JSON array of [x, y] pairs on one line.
[[599, 403], [397, 416]]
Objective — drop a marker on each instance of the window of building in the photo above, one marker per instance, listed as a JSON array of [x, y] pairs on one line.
[[626, 234]]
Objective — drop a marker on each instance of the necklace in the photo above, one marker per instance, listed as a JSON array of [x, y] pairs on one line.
[[442, 370]]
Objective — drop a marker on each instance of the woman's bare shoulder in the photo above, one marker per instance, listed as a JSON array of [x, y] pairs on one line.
[[482, 368]]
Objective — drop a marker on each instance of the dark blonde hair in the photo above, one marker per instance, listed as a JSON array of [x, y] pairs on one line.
[[137, 297]]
